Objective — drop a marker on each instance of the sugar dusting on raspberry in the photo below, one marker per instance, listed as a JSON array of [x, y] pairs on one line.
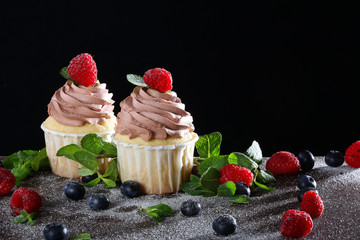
[[259, 220]]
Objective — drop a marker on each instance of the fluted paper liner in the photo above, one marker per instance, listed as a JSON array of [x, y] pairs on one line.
[[63, 166], [158, 169]]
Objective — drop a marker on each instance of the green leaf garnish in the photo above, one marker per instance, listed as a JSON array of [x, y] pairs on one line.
[[158, 212], [227, 189], [93, 147], [265, 177], [243, 160], [254, 152], [216, 162], [240, 199], [136, 80], [262, 186], [83, 236], [23, 217], [210, 179], [209, 145], [23, 163]]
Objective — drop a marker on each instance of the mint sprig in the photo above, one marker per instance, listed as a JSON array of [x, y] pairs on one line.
[[136, 80], [25, 217], [24, 163], [82, 236], [210, 162], [158, 212], [92, 148]]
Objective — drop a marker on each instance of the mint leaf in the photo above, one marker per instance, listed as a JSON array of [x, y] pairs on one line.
[[21, 172], [243, 160], [87, 159], [83, 236], [92, 143], [240, 199], [64, 72], [216, 162], [262, 186], [209, 145], [136, 80], [210, 179], [109, 183], [85, 172], [68, 151], [254, 152], [93, 183], [265, 177], [112, 172], [194, 178], [41, 161], [23, 217], [227, 189], [158, 212]]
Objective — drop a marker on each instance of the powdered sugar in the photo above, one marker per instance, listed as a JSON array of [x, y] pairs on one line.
[[338, 188]]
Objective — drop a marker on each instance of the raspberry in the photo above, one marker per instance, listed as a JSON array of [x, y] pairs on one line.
[[352, 155], [296, 224], [25, 198], [82, 69], [283, 163], [312, 204], [235, 173], [7, 181], [158, 79]]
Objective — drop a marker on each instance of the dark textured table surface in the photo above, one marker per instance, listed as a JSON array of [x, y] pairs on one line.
[[338, 187]]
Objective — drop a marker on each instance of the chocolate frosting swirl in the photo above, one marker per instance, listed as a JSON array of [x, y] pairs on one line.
[[73, 105], [150, 114]]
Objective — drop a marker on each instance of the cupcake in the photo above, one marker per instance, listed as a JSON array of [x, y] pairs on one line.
[[83, 105], [155, 136]]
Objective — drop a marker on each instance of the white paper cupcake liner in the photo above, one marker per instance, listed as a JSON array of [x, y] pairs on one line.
[[158, 169], [63, 166]]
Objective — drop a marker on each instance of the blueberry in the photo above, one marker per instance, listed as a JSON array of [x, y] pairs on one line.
[[55, 232], [130, 189], [224, 224], [98, 202], [334, 158], [190, 208], [89, 178], [306, 181], [306, 159], [301, 193], [74, 191], [242, 188]]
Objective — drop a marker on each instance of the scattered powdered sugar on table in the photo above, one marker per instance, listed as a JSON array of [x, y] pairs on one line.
[[338, 187]]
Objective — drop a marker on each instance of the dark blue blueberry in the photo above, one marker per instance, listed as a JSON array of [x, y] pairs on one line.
[[224, 225], [74, 191], [130, 189], [306, 159], [55, 232], [242, 188], [89, 178], [334, 158], [301, 193], [98, 202], [306, 181], [190, 208]]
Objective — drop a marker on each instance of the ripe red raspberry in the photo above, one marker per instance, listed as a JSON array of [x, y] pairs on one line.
[[233, 172], [283, 163], [312, 204], [82, 69], [158, 79], [7, 181], [25, 198], [352, 155], [296, 224]]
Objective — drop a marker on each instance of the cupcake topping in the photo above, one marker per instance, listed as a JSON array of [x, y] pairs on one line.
[[150, 114], [73, 105]]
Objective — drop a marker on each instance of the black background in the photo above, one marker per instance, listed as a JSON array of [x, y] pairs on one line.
[[282, 72]]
